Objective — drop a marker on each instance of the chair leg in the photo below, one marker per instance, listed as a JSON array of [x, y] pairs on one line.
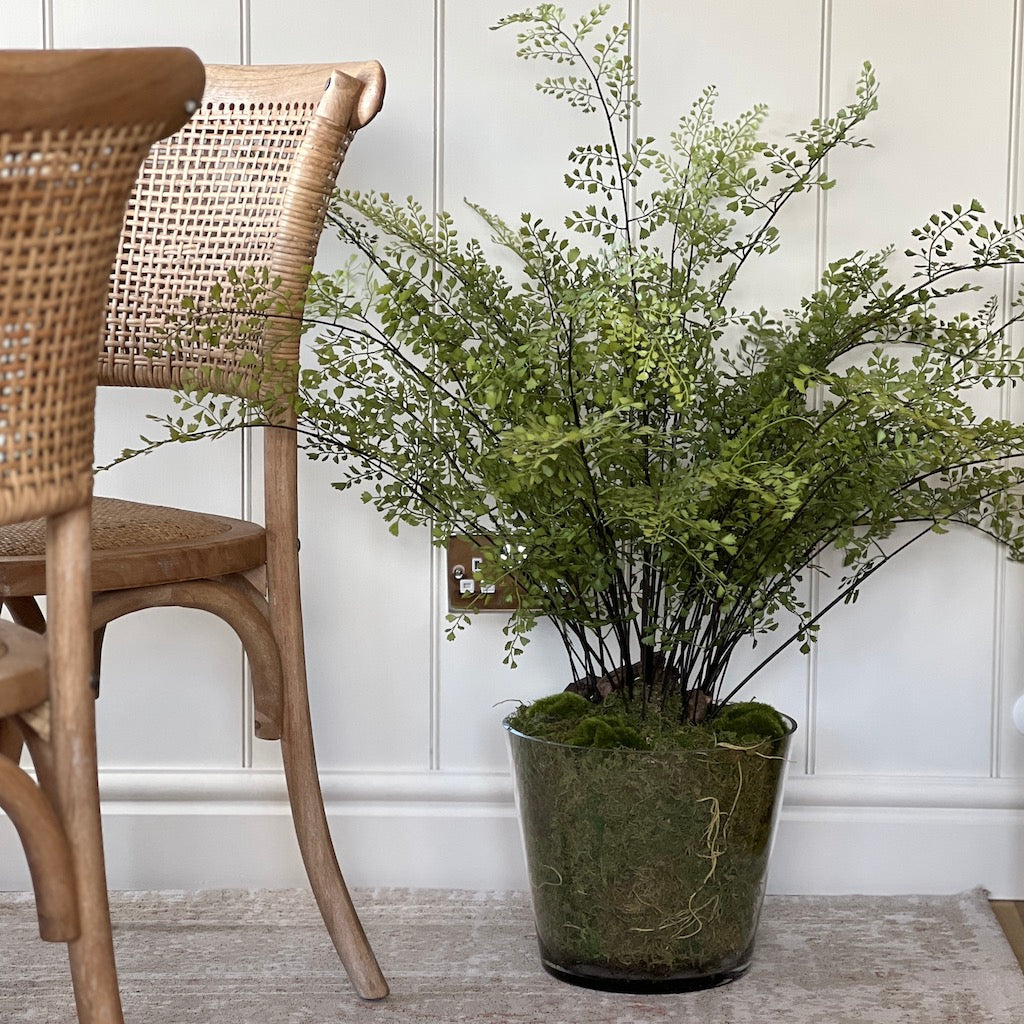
[[310, 819], [97, 658], [74, 778], [93, 968], [315, 843], [284, 672], [46, 851], [26, 612], [91, 952], [10, 740]]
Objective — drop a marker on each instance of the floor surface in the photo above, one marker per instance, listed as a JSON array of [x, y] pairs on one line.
[[457, 957]]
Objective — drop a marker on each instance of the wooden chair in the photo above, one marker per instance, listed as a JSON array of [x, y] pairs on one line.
[[237, 196], [74, 128]]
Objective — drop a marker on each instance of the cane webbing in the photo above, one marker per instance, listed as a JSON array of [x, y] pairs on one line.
[[117, 525], [218, 242], [62, 193]]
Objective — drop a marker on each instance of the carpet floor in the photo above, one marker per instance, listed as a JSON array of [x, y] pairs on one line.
[[470, 958]]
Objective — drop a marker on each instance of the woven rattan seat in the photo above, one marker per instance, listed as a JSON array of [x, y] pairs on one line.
[[135, 544], [238, 195], [74, 129]]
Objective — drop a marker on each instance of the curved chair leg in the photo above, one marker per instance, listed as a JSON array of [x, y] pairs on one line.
[[315, 844], [297, 753], [310, 818], [46, 851], [284, 678], [25, 612], [10, 740], [279, 669]]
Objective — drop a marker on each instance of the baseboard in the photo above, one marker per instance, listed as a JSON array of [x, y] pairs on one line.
[[231, 828]]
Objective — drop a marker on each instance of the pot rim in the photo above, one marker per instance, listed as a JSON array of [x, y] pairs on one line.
[[790, 722]]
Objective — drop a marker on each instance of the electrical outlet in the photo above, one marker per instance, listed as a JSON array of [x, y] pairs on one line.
[[467, 591]]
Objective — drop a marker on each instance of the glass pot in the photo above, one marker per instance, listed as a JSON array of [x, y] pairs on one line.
[[647, 869]]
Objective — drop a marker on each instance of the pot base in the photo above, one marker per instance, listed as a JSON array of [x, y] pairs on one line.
[[588, 976]]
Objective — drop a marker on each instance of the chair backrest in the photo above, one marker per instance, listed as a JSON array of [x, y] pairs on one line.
[[225, 212], [74, 128]]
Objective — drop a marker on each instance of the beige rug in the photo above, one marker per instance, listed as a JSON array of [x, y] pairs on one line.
[[263, 958]]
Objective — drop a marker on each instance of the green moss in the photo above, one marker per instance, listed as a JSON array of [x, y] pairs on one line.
[[615, 724], [607, 734], [748, 723], [560, 707], [553, 718]]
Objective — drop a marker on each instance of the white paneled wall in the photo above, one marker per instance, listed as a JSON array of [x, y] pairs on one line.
[[909, 775], [942, 136]]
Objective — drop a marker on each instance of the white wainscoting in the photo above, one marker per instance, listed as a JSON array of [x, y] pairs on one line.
[[231, 828], [908, 773]]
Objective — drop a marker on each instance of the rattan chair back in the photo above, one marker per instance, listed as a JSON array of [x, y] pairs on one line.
[[74, 126], [222, 229]]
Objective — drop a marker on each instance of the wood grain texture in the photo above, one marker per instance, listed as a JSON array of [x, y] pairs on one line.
[[158, 86]]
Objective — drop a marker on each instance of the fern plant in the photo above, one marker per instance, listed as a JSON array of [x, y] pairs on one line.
[[658, 469]]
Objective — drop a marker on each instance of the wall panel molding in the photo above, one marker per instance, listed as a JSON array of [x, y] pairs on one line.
[[231, 828], [225, 790]]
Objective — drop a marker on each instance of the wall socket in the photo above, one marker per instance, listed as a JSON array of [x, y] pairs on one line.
[[466, 590]]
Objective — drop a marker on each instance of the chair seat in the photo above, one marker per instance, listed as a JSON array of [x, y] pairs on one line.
[[136, 545]]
